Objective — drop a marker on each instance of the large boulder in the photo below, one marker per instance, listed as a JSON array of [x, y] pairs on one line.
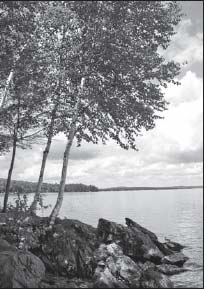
[[128, 271], [136, 242], [114, 269], [166, 248], [5, 246], [19, 269], [130, 223], [68, 248], [177, 259], [103, 278]]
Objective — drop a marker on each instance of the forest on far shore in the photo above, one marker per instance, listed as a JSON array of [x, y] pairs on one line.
[[24, 187], [30, 187]]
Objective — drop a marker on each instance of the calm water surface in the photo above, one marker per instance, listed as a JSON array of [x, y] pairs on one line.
[[175, 214]]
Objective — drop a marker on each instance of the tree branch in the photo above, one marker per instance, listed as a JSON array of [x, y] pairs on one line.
[[31, 135]]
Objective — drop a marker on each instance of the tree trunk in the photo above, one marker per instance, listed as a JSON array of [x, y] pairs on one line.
[[70, 139], [33, 207], [58, 205], [9, 79], [8, 183], [15, 139]]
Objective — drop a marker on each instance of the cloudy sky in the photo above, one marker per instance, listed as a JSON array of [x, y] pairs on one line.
[[170, 154]]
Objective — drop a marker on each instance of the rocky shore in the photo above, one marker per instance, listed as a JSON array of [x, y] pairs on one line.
[[72, 254]]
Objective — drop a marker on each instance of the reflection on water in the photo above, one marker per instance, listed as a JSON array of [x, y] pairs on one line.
[[176, 214]]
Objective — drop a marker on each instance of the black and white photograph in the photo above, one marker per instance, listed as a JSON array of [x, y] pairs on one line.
[[101, 144]]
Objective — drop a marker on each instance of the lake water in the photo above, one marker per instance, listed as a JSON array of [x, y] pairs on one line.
[[174, 214]]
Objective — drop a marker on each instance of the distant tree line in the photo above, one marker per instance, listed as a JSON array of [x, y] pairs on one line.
[[30, 187], [149, 188]]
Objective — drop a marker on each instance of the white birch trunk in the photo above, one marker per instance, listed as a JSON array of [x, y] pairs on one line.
[[8, 182], [15, 140], [9, 79], [70, 139], [59, 201], [33, 207]]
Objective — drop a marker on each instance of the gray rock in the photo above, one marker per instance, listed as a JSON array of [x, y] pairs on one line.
[[130, 223], [148, 265], [174, 246], [165, 248], [5, 246], [104, 251], [170, 269], [128, 271], [177, 259], [119, 271], [20, 270], [134, 241], [151, 278], [68, 249], [105, 279], [128, 257]]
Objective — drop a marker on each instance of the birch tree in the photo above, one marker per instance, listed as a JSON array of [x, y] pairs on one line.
[[55, 35], [22, 96], [118, 71]]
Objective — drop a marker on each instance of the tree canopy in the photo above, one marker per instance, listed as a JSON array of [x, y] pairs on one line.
[[114, 47]]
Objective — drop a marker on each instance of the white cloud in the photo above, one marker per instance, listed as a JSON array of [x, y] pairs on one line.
[[183, 123], [185, 46], [191, 89]]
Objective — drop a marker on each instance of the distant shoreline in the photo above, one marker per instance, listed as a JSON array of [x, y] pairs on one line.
[[25, 187], [150, 188]]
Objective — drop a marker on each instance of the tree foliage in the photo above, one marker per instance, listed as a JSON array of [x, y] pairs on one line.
[[19, 55], [114, 47]]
